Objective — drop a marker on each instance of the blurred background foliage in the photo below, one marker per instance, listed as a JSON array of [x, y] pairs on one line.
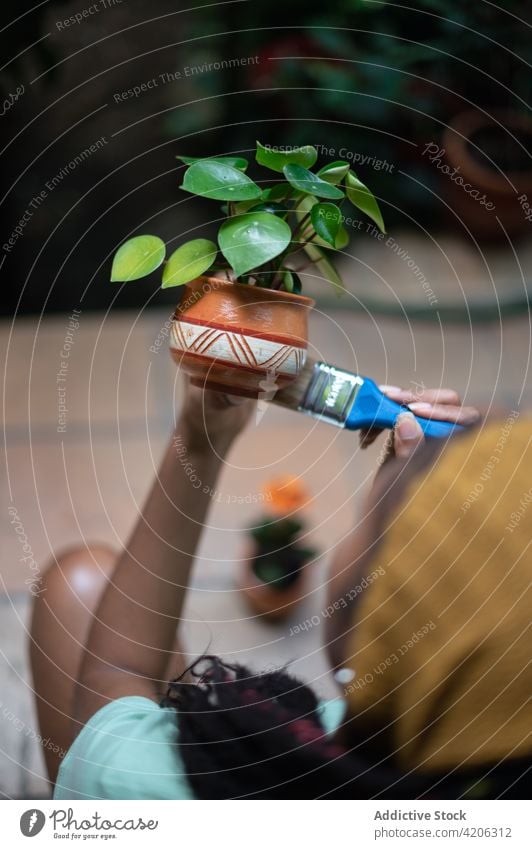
[[364, 75], [23, 44], [379, 79]]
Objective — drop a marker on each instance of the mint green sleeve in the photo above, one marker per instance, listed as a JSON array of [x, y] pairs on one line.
[[127, 750], [332, 714]]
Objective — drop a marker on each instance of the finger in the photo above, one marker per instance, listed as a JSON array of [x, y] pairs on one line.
[[387, 452], [465, 416], [407, 435], [430, 396]]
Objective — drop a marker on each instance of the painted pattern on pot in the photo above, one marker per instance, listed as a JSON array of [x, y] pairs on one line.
[[238, 348]]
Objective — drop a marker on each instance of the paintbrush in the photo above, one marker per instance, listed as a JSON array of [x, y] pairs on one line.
[[348, 400]]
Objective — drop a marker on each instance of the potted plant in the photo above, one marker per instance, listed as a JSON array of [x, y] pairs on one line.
[[273, 575], [242, 317]]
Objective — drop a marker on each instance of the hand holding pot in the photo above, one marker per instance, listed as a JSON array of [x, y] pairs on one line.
[[214, 417]]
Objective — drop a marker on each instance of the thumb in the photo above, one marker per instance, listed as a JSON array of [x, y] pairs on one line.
[[408, 435]]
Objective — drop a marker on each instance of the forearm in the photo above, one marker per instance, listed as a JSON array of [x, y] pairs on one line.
[[135, 623]]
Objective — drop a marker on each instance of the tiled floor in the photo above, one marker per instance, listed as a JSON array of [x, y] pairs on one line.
[[89, 480]]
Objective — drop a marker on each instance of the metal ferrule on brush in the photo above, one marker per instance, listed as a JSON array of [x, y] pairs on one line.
[[330, 394]]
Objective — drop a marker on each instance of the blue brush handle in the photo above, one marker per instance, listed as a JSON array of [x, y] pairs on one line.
[[373, 409]]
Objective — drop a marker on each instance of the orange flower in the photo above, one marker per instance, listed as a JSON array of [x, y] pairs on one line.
[[285, 494]]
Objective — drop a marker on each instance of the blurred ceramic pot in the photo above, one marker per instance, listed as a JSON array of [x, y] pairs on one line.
[[239, 339], [265, 599], [490, 172]]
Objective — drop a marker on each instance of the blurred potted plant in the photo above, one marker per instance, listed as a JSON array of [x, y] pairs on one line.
[[273, 575], [231, 333], [489, 158]]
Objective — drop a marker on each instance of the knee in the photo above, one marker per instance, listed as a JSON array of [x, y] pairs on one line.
[[82, 571]]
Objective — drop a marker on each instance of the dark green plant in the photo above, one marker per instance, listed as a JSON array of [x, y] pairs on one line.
[[279, 555], [268, 224]]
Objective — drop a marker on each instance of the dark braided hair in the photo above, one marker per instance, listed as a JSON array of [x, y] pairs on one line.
[[261, 737]]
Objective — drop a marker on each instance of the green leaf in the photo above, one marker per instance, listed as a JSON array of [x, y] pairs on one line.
[[188, 262], [276, 160], [270, 571], [297, 283], [240, 207], [326, 219], [234, 161], [305, 181], [137, 258], [306, 205], [325, 266], [269, 206], [278, 192], [291, 282], [288, 281], [248, 241], [361, 197], [219, 181], [334, 172], [342, 239]]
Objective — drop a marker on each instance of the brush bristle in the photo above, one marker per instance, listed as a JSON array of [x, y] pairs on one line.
[[293, 394]]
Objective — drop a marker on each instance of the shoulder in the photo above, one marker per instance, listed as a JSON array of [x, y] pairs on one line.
[[127, 750]]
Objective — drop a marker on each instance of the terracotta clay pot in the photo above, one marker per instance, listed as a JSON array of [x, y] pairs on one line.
[[264, 600], [239, 339], [502, 190]]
